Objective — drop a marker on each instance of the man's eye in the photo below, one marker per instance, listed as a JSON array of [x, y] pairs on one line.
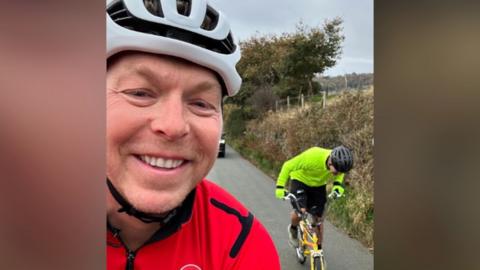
[[139, 93], [202, 104], [203, 107]]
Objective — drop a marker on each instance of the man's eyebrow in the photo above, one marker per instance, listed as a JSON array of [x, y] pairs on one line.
[[156, 79], [148, 74], [207, 88], [207, 85]]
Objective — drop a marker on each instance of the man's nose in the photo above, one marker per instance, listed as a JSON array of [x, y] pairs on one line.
[[169, 119]]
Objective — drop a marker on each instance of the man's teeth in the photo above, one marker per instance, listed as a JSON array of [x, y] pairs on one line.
[[162, 163]]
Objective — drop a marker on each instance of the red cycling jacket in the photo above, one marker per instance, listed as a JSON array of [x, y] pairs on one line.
[[211, 231]]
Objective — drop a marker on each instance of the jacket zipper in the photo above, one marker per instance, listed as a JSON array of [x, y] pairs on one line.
[[130, 254], [130, 259]]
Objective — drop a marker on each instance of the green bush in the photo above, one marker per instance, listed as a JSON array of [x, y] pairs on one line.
[[235, 124]]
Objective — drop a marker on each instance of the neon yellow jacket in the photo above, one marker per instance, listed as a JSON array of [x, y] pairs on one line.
[[310, 168]]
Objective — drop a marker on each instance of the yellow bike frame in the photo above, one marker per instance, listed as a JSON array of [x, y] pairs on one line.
[[307, 240], [308, 243]]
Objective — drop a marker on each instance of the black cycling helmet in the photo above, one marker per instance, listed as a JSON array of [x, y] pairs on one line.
[[342, 159]]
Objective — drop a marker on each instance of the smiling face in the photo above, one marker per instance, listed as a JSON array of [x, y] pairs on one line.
[[163, 126]]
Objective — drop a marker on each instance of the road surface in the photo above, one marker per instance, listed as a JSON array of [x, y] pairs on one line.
[[256, 191]]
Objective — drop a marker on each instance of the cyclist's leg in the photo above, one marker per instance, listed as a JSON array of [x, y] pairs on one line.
[[319, 231], [294, 219], [317, 197], [298, 189]]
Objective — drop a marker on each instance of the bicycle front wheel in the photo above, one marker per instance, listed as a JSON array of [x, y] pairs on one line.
[[318, 264]]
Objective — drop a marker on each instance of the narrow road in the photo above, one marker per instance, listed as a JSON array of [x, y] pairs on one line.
[[256, 191]]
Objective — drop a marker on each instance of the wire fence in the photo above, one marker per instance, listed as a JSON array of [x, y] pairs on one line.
[[303, 101]]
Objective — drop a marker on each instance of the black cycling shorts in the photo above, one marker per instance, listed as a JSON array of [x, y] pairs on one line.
[[313, 198]]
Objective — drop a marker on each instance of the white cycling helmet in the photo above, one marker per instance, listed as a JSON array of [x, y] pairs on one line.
[[188, 29]]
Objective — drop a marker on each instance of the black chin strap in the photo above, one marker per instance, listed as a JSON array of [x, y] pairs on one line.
[[131, 211]]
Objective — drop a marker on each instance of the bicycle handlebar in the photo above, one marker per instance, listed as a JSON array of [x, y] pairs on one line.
[[289, 196], [292, 198], [333, 195]]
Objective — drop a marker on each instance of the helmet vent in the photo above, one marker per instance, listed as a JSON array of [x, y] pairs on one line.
[[184, 7], [118, 12], [121, 16], [211, 19], [154, 7], [228, 42]]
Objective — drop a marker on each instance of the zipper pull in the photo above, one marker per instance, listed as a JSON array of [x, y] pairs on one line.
[[130, 259]]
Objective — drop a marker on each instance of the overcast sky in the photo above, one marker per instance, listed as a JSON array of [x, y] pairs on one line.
[[248, 17]]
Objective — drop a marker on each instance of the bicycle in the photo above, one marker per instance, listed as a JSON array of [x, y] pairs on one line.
[[307, 238]]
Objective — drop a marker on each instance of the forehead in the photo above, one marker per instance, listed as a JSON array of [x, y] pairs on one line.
[[139, 61], [160, 69]]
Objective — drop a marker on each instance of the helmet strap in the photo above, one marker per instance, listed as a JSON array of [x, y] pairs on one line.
[[127, 208]]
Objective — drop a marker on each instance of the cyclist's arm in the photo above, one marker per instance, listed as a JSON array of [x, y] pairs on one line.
[[338, 188], [339, 178], [288, 166]]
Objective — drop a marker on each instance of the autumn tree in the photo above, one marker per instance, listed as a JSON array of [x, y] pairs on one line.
[[311, 51], [261, 65], [287, 64]]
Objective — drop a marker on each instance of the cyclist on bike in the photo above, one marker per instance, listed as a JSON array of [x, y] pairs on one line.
[[169, 65], [309, 173]]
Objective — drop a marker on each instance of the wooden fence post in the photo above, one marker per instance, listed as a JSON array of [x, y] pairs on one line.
[[324, 100], [288, 102]]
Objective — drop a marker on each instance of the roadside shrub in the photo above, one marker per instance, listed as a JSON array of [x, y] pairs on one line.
[[235, 123], [263, 100]]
